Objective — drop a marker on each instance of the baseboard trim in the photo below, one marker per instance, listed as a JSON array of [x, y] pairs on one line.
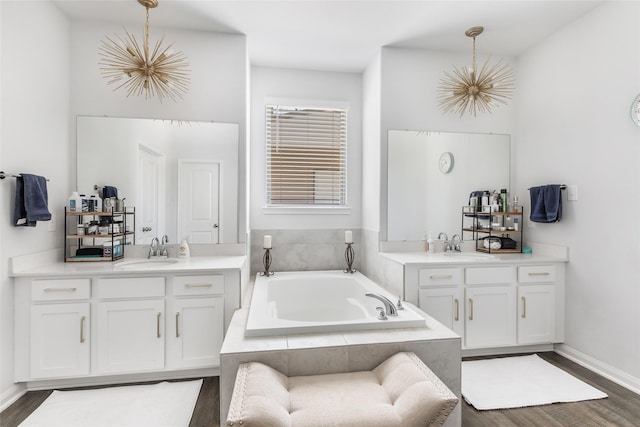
[[498, 351], [15, 392], [609, 372]]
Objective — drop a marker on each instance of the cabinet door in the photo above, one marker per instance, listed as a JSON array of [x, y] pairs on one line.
[[195, 331], [130, 336], [60, 340], [446, 305], [536, 314], [490, 318]]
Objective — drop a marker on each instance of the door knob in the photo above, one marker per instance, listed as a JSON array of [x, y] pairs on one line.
[[215, 225]]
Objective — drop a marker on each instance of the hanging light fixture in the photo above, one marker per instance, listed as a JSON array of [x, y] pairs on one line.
[[470, 90], [159, 72]]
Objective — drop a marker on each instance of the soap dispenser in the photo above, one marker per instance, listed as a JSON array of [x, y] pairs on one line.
[[183, 250]]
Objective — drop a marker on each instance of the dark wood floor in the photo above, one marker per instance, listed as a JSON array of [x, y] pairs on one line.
[[620, 409]]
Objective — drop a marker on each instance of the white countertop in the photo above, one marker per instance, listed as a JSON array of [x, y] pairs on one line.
[[196, 264], [406, 258]]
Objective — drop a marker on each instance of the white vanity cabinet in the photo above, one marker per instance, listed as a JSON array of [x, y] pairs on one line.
[[130, 333], [59, 334], [492, 305], [86, 329], [195, 324]]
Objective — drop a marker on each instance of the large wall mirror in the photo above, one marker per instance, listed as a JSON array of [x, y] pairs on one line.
[[430, 177], [181, 177]]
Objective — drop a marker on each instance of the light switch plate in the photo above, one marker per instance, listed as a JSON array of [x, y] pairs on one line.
[[572, 192]]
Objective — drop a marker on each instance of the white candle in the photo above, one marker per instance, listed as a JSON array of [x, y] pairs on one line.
[[348, 236], [267, 242]]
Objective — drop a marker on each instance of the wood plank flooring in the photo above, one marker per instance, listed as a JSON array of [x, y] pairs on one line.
[[620, 409]]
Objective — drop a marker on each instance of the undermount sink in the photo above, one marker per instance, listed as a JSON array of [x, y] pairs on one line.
[[466, 256], [146, 264]]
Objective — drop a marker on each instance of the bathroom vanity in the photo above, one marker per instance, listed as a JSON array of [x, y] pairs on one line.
[[497, 304], [79, 324]]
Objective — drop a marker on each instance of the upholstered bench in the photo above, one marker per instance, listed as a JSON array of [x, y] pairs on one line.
[[401, 391]]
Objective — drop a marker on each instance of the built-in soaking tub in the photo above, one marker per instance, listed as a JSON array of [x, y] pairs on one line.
[[320, 301]]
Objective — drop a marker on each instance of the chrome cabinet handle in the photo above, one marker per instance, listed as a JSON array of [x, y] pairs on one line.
[[524, 307], [470, 309], [158, 325], [198, 285], [546, 273], [441, 276], [177, 330], [60, 289], [82, 329], [457, 309]]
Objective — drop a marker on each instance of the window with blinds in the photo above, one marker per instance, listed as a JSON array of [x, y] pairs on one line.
[[306, 156]]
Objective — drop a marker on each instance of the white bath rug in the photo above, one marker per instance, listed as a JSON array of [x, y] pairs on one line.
[[515, 382], [166, 404]]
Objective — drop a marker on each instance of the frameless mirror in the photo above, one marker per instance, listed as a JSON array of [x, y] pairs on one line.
[[181, 177], [430, 177]]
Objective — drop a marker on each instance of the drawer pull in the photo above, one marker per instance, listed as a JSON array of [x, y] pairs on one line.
[[158, 325], [546, 273], [177, 330], [470, 309], [524, 307], [82, 329], [457, 309], [198, 285], [60, 289], [441, 276]]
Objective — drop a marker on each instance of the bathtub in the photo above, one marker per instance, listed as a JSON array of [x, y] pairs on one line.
[[320, 301]]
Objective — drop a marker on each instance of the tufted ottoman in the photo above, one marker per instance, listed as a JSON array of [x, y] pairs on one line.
[[401, 391]]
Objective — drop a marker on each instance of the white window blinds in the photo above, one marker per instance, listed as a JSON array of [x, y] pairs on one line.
[[306, 156]]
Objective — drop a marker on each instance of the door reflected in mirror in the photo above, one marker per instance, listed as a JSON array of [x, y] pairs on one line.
[[431, 174], [182, 177]]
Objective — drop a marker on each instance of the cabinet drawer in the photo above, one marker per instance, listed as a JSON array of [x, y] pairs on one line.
[[131, 287], [489, 275], [60, 289], [440, 276], [537, 274], [198, 285]]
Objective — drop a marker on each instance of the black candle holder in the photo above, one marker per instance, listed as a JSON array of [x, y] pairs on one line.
[[349, 256], [266, 261]]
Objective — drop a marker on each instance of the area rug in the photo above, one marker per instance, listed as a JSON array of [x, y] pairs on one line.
[[166, 404], [515, 382]]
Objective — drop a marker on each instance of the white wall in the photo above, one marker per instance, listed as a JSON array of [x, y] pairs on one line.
[[34, 139], [574, 127], [305, 86], [218, 87]]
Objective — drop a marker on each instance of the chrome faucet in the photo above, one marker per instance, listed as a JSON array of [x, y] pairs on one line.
[[153, 248], [455, 246], [389, 307], [447, 246], [163, 247]]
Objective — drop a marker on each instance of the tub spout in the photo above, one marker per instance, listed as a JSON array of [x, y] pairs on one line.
[[390, 308]]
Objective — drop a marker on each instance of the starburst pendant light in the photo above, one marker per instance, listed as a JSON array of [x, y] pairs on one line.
[[473, 91], [159, 72]]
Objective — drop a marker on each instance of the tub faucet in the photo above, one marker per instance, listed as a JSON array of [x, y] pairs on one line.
[[453, 245], [389, 307], [153, 248]]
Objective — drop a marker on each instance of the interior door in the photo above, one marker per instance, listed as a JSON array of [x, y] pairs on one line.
[[150, 189], [199, 201]]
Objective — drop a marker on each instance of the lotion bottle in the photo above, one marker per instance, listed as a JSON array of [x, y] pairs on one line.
[[183, 250], [431, 248], [75, 202]]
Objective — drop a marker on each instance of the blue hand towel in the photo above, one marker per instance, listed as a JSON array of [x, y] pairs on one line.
[[109, 191], [546, 203], [31, 200]]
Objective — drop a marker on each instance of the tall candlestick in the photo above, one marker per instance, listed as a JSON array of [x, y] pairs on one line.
[[348, 236], [267, 242]]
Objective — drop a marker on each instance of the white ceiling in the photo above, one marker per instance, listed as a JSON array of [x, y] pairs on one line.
[[341, 35]]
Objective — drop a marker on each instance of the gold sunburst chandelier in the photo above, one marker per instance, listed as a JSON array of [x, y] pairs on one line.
[[159, 72], [473, 91]]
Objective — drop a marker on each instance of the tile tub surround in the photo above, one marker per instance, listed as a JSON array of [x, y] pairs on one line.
[[316, 354], [304, 250]]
